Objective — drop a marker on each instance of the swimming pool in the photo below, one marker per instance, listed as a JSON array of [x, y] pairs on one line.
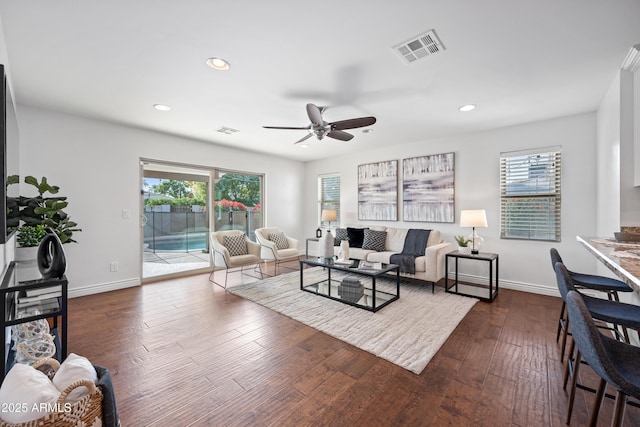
[[178, 243]]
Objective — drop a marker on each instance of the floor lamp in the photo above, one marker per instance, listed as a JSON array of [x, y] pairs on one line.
[[473, 219]]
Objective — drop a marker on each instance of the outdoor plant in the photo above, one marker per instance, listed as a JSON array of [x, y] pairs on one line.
[[462, 241], [30, 235]]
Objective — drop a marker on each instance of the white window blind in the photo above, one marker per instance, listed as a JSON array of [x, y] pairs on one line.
[[329, 197], [530, 194]]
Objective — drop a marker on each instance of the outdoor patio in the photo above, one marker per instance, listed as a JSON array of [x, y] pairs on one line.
[[167, 262]]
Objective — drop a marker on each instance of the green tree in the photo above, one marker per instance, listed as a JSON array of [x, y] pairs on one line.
[[239, 188], [173, 188]]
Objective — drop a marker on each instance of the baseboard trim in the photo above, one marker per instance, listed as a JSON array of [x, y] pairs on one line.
[[102, 287], [510, 284]]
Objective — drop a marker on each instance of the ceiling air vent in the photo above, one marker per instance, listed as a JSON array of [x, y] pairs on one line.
[[422, 46], [227, 130]]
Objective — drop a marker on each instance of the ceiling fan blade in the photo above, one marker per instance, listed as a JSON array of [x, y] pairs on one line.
[[338, 134], [309, 135], [315, 114], [353, 123], [288, 127]]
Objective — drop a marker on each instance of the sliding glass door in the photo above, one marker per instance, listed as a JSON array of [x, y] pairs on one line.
[[237, 202], [175, 219]]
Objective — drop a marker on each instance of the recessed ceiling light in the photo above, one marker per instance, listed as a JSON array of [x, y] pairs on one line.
[[367, 130], [218, 64], [468, 107], [303, 145], [161, 107]]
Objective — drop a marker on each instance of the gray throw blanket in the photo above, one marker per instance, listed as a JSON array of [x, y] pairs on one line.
[[414, 246]]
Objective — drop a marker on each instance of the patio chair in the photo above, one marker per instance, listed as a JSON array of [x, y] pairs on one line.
[[276, 246], [233, 251]]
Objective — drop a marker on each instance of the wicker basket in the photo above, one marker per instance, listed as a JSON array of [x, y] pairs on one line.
[[86, 412]]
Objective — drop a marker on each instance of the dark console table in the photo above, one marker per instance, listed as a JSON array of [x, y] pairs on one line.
[[18, 278], [483, 292]]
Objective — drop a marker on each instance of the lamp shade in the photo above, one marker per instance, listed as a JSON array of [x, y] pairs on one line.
[[329, 215], [473, 218]]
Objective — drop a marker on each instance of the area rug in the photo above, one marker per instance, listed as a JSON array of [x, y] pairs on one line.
[[408, 332]]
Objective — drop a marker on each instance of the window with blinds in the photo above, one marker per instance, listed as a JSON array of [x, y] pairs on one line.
[[530, 198], [329, 197]]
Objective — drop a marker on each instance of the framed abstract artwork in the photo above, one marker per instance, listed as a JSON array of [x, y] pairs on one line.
[[378, 191], [428, 188]]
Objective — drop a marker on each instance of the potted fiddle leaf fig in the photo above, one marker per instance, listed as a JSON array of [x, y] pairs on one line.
[[44, 210]]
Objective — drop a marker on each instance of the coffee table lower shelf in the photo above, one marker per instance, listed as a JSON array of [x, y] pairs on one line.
[[367, 296], [365, 302]]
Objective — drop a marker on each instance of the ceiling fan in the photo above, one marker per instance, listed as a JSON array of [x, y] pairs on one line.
[[320, 128]]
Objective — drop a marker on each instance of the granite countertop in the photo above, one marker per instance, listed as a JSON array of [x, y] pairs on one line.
[[621, 258]]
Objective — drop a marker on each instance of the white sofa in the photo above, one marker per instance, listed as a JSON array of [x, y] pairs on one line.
[[429, 267]]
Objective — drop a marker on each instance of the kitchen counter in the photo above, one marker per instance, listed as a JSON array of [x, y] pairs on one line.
[[621, 258]]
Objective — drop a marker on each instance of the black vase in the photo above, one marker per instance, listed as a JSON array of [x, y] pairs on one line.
[[51, 260]]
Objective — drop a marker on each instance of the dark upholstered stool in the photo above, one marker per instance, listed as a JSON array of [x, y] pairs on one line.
[[615, 362], [617, 313], [588, 281]]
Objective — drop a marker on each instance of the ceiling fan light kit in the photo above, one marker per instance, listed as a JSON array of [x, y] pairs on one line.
[[320, 128]]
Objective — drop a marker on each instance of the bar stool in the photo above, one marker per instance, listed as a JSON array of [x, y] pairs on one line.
[[588, 281], [615, 362], [618, 313]]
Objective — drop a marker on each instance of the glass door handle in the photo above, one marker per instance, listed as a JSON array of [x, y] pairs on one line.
[[143, 221]]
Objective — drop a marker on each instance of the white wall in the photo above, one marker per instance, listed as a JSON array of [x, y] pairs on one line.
[[96, 165], [524, 265]]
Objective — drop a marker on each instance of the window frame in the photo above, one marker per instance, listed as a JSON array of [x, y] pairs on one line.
[[537, 173], [328, 203]]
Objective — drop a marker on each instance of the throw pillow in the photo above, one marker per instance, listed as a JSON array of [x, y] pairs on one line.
[[341, 234], [72, 369], [236, 244], [23, 391], [374, 240], [280, 240], [356, 237]]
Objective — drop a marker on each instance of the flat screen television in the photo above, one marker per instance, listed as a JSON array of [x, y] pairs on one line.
[[9, 148]]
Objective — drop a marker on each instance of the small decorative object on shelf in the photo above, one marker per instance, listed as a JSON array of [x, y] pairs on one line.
[[343, 254], [51, 260], [35, 348], [318, 232], [463, 245], [351, 289]]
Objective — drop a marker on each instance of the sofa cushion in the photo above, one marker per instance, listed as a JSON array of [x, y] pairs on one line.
[[236, 244], [355, 253], [395, 239], [280, 240], [374, 240], [341, 234], [356, 237]]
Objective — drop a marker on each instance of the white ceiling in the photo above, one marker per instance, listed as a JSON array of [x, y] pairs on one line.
[[519, 61]]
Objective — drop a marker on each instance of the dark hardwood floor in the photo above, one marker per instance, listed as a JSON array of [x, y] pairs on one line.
[[185, 352]]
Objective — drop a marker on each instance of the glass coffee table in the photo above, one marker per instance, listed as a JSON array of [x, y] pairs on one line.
[[357, 288]]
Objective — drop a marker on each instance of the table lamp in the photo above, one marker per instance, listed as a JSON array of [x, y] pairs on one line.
[[473, 219], [329, 215]]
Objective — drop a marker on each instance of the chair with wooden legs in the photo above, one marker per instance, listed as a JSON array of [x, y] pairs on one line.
[[616, 363]]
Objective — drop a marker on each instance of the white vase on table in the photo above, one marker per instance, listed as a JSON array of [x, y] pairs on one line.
[[343, 255], [326, 243]]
